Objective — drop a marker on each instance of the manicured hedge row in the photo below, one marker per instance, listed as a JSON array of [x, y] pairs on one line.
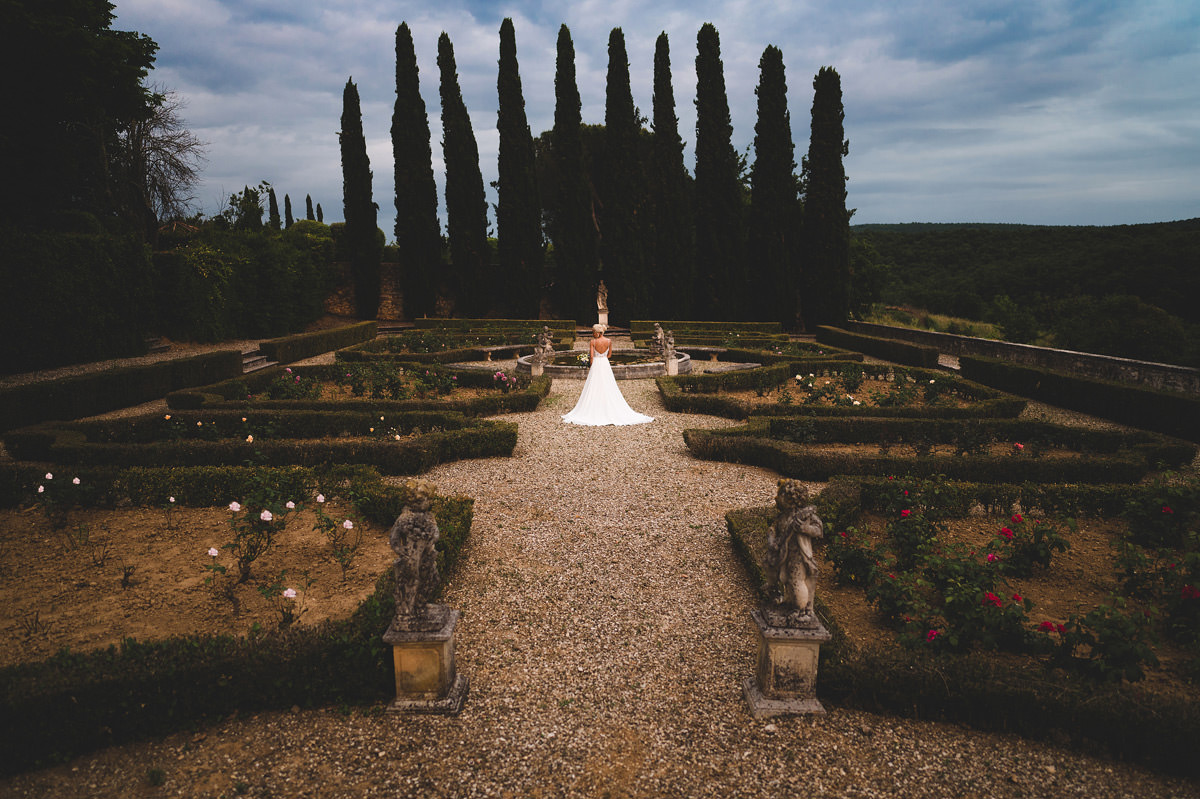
[[77, 702], [474, 439], [749, 445], [1155, 449], [100, 392], [1163, 411], [885, 348], [699, 394], [462, 325], [986, 693], [380, 350], [230, 394], [957, 498], [305, 345], [646, 326]]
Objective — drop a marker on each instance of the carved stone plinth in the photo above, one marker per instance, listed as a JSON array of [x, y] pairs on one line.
[[426, 678], [672, 366], [786, 678], [536, 368], [603, 318]]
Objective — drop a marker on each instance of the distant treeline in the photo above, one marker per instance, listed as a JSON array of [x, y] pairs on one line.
[[1129, 290]]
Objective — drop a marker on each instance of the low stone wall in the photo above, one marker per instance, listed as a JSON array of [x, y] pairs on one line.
[[1102, 367]]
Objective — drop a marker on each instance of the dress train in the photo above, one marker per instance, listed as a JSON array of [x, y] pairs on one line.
[[601, 402]]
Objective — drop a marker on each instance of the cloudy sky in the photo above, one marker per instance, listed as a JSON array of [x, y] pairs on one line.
[[1063, 112]]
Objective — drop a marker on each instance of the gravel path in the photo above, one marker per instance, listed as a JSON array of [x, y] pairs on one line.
[[605, 630]]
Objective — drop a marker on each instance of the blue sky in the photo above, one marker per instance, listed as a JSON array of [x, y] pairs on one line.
[[1062, 112]]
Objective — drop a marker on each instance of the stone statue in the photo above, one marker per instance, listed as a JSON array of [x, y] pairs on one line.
[[669, 345], [656, 343], [602, 298], [543, 351], [791, 566], [413, 538]]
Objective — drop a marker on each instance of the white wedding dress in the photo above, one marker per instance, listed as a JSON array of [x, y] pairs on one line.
[[601, 402]]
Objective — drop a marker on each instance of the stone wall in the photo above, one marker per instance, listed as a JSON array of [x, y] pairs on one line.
[[1102, 367], [391, 298]]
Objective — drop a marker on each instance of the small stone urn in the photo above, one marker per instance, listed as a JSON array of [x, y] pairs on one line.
[[422, 634], [790, 633]]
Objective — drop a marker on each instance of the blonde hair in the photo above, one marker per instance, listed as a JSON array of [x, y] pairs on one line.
[[599, 328]]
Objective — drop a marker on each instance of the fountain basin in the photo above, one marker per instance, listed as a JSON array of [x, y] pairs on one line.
[[629, 371]]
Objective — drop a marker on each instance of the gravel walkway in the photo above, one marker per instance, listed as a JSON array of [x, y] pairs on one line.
[[605, 630]]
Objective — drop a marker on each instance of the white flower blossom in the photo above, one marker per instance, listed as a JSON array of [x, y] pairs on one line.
[[290, 505], [349, 525], [171, 500], [236, 507], [266, 516], [320, 497], [250, 439], [289, 593], [41, 489], [49, 476], [75, 481], [212, 552]]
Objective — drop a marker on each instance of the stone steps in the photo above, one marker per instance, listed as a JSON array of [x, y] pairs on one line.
[[253, 360]]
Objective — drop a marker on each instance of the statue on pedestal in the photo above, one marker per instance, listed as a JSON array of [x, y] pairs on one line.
[[543, 351], [669, 346], [602, 298], [792, 569], [655, 345]]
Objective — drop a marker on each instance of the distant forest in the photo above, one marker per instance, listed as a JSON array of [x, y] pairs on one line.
[[1130, 290]]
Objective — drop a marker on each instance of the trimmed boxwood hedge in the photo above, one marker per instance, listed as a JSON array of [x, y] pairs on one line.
[[986, 693], [132, 443], [1164, 411], [700, 393], [230, 394], [461, 325], [100, 392], [750, 444], [885, 348], [384, 350], [76, 702], [305, 345]]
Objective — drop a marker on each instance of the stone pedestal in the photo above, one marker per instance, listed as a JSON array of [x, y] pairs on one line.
[[603, 318], [785, 680], [672, 366], [426, 678], [536, 368]]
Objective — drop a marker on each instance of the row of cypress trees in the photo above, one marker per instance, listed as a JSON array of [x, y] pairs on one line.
[[615, 202]]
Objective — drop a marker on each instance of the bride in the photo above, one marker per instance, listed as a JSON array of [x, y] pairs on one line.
[[601, 402]]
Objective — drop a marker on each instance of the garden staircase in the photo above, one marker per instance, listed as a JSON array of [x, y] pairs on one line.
[[253, 359]]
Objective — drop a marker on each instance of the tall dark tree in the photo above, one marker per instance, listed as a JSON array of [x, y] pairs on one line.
[[622, 192], [572, 220], [418, 231], [466, 206], [670, 200], [288, 219], [361, 236], [320, 216], [518, 211], [308, 208], [772, 244], [63, 128], [719, 204], [272, 209], [825, 281]]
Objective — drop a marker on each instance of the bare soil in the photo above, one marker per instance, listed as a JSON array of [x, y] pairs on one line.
[[67, 587]]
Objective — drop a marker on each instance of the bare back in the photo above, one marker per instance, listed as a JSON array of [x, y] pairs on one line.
[[601, 345]]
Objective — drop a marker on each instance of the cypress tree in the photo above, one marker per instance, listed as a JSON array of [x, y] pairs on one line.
[[272, 210], [719, 205], [361, 236], [622, 191], [773, 198], [518, 211], [572, 221], [418, 231], [288, 221], [320, 216], [825, 285], [466, 206], [308, 209], [670, 199]]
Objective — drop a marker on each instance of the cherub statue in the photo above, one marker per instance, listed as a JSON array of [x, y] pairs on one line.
[[792, 568], [669, 345], [543, 351], [602, 297], [655, 345], [413, 538]]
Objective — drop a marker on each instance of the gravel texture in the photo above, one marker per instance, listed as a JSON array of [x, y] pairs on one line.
[[605, 630]]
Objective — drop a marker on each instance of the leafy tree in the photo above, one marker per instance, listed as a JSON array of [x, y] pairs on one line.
[[418, 231], [572, 221], [670, 200], [288, 221], [825, 286], [622, 191], [518, 212], [57, 149], [244, 211], [773, 199], [308, 208], [719, 206], [466, 206], [361, 239], [273, 209]]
